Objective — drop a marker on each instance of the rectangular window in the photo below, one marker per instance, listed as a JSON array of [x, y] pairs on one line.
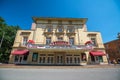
[[35, 57], [100, 59], [70, 30], [94, 41], [48, 41], [71, 40], [25, 39], [60, 29], [49, 29]]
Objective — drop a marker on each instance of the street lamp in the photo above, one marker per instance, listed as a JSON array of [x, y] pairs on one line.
[[2, 39]]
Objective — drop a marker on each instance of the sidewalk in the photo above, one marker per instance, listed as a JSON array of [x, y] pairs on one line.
[[58, 67]]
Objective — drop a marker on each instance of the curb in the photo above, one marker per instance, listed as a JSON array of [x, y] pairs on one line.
[[57, 67]]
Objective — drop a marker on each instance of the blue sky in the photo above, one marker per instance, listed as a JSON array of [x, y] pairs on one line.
[[103, 15]]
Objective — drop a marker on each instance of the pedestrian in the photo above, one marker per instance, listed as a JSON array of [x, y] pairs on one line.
[[114, 62]]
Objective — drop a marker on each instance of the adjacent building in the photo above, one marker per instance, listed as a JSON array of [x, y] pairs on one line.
[[113, 50], [58, 41]]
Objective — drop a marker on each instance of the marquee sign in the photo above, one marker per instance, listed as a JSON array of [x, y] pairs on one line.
[[60, 45]]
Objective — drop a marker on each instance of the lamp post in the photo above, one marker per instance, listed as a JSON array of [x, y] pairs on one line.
[[2, 39]]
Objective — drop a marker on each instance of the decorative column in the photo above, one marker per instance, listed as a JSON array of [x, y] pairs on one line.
[[29, 59]]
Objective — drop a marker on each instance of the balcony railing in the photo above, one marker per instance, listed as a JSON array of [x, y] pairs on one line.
[[42, 46], [70, 33], [59, 33], [48, 33]]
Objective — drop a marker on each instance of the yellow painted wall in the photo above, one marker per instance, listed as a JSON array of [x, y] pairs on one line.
[[37, 35]]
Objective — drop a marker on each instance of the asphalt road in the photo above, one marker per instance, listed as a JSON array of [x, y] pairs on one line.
[[60, 74]]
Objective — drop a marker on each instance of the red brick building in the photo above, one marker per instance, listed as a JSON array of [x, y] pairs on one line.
[[113, 49]]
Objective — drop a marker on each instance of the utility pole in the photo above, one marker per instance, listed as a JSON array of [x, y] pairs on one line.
[[2, 39]]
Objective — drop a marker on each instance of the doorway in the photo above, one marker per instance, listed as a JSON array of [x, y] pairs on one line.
[[59, 59], [20, 59]]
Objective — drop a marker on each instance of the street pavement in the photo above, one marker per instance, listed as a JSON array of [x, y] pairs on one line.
[[60, 73]]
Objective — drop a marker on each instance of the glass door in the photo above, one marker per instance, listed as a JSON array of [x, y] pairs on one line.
[[18, 59], [59, 59], [97, 59]]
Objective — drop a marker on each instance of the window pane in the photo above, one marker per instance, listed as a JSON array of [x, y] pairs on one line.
[[100, 59], [93, 40], [48, 41], [25, 39], [25, 57], [70, 30], [60, 29], [35, 57], [49, 30], [16, 58], [71, 40]]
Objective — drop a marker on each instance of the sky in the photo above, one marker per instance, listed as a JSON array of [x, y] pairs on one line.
[[103, 15]]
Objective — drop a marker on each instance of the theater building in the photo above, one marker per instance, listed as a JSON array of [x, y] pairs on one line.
[[58, 41]]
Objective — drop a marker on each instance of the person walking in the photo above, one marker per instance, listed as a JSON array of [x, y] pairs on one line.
[[114, 62]]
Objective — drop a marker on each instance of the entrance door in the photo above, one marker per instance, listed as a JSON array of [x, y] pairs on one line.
[[59, 59], [97, 59], [18, 58]]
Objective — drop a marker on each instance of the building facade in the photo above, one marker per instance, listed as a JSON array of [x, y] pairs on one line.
[[58, 41], [113, 50]]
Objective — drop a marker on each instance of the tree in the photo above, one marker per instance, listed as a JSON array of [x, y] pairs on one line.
[[7, 33], [118, 35]]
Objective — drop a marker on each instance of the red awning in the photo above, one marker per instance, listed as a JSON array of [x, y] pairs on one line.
[[20, 52], [97, 53]]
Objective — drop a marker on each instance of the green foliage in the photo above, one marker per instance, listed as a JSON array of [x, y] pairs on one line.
[[7, 33]]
